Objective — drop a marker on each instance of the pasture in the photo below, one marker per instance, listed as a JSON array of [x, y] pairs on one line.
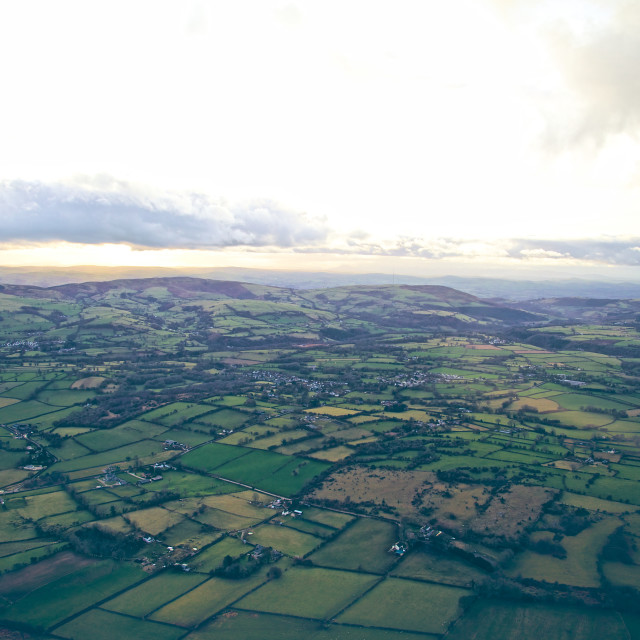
[[104, 625], [310, 592], [349, 552], [408, 605], [206, 600], [515, 621], [153, 593]]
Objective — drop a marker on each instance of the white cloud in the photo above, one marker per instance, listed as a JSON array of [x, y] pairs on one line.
[[598, 64]]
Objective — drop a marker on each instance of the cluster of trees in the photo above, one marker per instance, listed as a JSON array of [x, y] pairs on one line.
[[95, 541], [243, 567]]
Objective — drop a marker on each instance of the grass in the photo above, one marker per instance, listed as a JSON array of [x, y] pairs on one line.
[[238, 503], [9, 548], [581, 419], [64, 397], [254, 466], [329, 518], [447, 569], [190, 484], [104, 625], [252, 626], [60, 599], [310, 592], [47, 504], [154, 520], [408, 605], [211, 558], [579, 568], [225, 418], [211, 456], [175, 412], [363, 546], [261, 626], [225, 521], [515, 621], [579, 400], [26, 410], [206, 600], [306, 526], [144, 448], [277, 439], [627, 575], [30, 557], [290, 541], [190, 533], [126, 433], [11, 459], [153, 593], [292, 477], [541, 404], [593, 504]]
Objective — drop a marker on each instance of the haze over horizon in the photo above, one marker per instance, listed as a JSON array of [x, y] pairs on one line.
[[485, 138]]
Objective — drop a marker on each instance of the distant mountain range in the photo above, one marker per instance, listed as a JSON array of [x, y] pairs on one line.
[[492, 288], [252, 310]]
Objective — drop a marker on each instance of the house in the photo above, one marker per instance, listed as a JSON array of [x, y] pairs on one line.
[[258, 552], [399, 548]]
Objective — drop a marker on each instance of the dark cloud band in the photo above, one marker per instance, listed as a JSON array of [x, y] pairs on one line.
[[108, 211]]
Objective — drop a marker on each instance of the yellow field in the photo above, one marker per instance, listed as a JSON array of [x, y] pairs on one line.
[[154, 520], [332, 455], [579, 568], [541, 404], [92, 382], [593, 504]]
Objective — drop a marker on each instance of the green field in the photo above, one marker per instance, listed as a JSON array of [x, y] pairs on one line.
[[206, 600], [153, 593], [103, 625], [446, 569], [512, 621], [348, 551], [311, 593], [70, 594], [579, 568], [407, 605], [285, 539]]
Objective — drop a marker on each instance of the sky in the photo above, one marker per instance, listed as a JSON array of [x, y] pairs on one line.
[[417, 136]]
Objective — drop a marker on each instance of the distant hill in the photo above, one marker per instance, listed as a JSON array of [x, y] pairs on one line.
[[596, 310], [499, 288], [256, 312]]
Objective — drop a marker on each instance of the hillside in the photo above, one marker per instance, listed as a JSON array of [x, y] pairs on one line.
[[204, 310], [515, 290]]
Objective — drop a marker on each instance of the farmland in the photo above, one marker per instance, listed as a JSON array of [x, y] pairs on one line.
[[194, 459]]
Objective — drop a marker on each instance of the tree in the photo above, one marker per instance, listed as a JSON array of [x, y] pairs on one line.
[[274, 573]]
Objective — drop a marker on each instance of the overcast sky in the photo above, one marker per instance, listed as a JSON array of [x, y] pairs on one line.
[[416, 135]]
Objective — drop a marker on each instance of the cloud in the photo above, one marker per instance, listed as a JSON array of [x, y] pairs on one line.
[[601, 83], [610, 251], [104, 210], [615, 251]]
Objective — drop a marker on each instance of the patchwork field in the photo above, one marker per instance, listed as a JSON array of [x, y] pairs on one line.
[[196, 459]]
